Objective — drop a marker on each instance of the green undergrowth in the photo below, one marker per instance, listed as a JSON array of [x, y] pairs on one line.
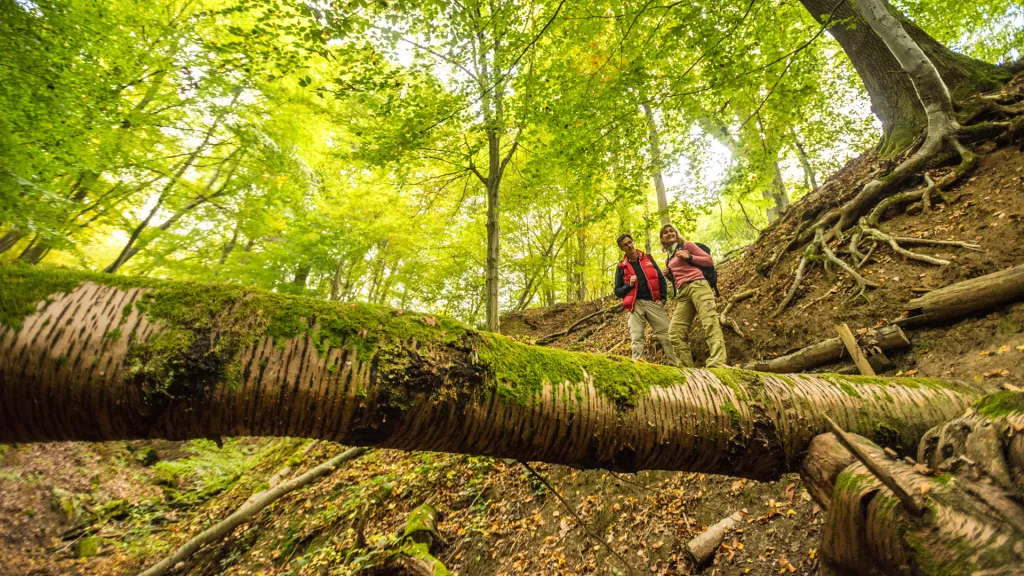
[[520, 371], [207, 470], [1001, 403]]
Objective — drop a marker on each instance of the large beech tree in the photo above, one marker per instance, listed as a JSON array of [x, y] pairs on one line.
[[97, 357], [893, 98]]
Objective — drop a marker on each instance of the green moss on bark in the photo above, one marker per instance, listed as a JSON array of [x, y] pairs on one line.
[[520, 371], [1000, 404]]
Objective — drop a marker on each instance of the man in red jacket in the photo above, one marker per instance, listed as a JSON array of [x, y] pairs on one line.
[[642, 288]]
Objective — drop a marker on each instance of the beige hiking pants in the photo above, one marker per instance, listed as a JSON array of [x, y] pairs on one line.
[[697, 300], [653, 313]]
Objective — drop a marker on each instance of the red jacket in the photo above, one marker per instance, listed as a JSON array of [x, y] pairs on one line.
[[650, 272]]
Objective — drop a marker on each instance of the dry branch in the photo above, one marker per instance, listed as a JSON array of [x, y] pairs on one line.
[[832, 350], [962, 298], [552, 337], [247, 511], [702, 548]]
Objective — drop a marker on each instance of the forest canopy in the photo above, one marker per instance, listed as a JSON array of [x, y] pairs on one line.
[[416, 154]]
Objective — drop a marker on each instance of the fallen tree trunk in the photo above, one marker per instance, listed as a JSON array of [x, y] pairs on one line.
[[99, 357], [966, 525], [254, 505], [832, 350], [968, 297]]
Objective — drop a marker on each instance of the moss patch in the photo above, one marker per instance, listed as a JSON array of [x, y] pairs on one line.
[[205, 326], [1001, 403], [520, 371]]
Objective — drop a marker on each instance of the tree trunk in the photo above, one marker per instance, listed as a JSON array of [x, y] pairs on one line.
[[97, 357], [831, 350], [301, 276], [656, 165], [8, 240], [893, 98], [35, 251], [968, 526], [968, 297], [810, 179], [778, 195]]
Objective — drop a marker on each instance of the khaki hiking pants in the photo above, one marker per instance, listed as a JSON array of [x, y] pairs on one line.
[[696, 300], [653, 313]]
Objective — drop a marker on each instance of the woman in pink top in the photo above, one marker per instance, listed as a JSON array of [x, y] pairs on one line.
[[694, 298]]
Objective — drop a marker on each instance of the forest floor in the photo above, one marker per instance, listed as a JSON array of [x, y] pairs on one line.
[[497, 518]]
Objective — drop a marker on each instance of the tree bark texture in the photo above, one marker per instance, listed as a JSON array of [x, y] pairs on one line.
[[832, 350], [968, 526], [893, 98], [968, 297], [98, 357]]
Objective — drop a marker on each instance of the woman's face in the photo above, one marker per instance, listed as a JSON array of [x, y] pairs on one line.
[[669, 236]]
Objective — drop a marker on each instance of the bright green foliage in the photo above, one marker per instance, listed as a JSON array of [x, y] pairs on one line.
[[343, 150]]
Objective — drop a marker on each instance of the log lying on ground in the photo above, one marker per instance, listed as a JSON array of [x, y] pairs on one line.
[[968, 527], [413, 554], [832, 350], [98, 357], [968, 297], [702, 548]]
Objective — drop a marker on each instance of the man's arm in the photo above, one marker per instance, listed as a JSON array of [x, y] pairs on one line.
[[621, 288], [698, 257], [661, 281]]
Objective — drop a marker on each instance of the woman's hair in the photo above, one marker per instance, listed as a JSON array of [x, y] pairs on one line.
[[661, 235]]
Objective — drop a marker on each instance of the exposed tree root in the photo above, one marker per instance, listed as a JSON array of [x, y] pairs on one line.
[[798, 277], [862, 283], [724, 318], [894, 242]]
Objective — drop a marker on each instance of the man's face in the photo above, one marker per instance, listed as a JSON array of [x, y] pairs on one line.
[[627, 246]]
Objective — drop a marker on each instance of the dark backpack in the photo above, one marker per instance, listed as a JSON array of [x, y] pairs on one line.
[[710, 274]]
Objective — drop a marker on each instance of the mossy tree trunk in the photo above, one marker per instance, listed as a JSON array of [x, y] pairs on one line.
[[967, 485], [893, 98], [99, 357]]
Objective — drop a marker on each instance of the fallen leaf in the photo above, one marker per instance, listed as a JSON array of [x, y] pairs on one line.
[[1021, 347], [1002, 349], [984, 353], [911, 372], [926, 488], [430, 320], [789, 491], [996, 373]]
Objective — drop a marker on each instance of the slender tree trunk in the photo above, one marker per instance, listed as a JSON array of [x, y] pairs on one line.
[[8, 240], [336, 279], [810, 180], [35, 251], [81, 359], [656, 165], [778, 195], [127, 251], [228, 248], [301, 276], [893, 98]]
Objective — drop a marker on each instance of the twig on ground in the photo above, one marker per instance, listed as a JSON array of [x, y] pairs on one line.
[[579, 520]]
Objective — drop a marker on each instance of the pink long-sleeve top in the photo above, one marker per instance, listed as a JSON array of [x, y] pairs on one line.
[[683, 271]]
